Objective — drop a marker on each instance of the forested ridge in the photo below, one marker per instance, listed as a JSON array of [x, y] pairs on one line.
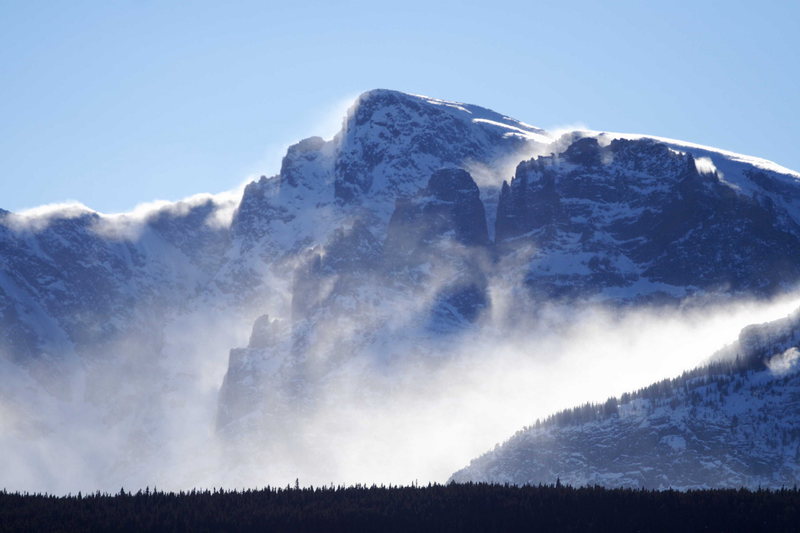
[[442, 508]]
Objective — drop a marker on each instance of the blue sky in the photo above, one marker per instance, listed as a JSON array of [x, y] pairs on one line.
[[114, 103]]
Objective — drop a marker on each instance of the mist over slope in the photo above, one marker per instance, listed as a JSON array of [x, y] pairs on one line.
[[366, 313], [732, 423]]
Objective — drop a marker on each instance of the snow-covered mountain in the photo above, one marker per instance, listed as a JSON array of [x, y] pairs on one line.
[[371, 252], [68, 268], [603, 218], [734, 422]]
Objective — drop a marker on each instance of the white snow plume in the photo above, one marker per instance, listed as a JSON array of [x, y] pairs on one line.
[[705, 165], [503, 380], [127, 225], [39, 218], [540, 144], [416, 407], [504, 168], [405, 404], [785, 362], [333, 118], [140, 413]]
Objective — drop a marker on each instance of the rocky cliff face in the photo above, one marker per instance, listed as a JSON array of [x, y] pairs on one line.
[[636, 216], [346, 296]]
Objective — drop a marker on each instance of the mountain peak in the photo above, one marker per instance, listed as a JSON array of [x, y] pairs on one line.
[[368, 102], [391, 140]]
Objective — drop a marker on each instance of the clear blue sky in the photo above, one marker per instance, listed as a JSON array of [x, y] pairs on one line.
[[113, 103]]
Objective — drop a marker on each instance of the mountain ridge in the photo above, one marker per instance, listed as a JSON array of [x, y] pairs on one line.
[[383, 244]]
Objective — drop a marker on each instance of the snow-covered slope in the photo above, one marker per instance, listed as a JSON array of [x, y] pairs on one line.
[[733, 423]]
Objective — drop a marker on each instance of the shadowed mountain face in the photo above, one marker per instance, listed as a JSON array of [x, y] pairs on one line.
[[450, 206], [383, 245], [638, 211]]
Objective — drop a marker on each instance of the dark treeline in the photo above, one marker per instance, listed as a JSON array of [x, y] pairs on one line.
[[441, 508], [718, 374]]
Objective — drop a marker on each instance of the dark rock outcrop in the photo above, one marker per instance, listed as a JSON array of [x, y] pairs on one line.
[[450, 207], [638, 210]]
